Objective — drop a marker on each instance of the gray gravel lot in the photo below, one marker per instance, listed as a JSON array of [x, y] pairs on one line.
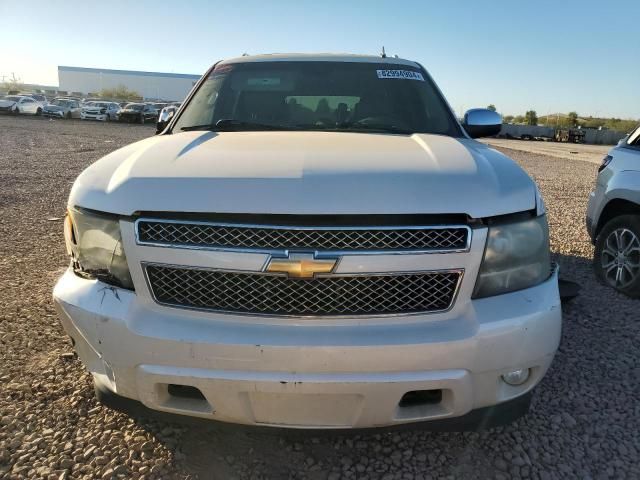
[[566, 151], [584, 423]]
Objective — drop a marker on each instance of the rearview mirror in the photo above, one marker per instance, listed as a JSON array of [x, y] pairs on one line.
[[163, 120], [481, 122]]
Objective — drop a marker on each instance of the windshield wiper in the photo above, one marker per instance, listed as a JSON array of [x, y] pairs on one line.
[[357, 128], [371, 127], [208, 126], [231, 125]]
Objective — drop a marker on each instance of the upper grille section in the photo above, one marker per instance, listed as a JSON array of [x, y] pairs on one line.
[[343, 239], [331, 295]]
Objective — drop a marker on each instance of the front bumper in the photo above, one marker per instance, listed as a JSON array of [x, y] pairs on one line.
[[94, 116], [302, 375], [594, 209], [47, 113], [129, 118]]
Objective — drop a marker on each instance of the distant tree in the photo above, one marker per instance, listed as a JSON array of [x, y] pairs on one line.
[[531, 117], [13, 84], [593, 122], [518, 119], [491, 107], [121, 92], [573, 119], [620, 125], [508, 119]]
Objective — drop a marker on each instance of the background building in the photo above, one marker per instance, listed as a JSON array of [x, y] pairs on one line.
[[151, 85]]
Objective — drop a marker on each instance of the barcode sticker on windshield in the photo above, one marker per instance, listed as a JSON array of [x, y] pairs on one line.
[[402, 74]]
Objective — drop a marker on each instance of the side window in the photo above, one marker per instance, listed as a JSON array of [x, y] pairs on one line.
[[634, 138]]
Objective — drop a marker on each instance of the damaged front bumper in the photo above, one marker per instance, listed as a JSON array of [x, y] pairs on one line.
[[347, 375]]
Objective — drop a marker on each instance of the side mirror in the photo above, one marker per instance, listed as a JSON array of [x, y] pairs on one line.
[[163, 120], [481, 122]]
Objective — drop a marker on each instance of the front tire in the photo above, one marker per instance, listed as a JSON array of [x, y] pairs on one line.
[[141, 119], [38, 112], [617, 255], [68, 116]]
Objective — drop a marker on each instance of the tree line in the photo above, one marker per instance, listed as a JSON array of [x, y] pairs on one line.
[[121, 92], [569, 120]]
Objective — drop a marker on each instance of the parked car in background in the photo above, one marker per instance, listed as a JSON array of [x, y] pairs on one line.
[[62, 108], [158, 107], [38, 97], [313, 241], [613, 217], [103, 111], [20, 104], [87, 101], [138, 113]]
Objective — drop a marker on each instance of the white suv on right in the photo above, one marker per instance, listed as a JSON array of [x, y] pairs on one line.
[[613, 217]]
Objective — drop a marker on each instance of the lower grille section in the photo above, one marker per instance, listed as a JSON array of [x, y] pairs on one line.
[[332, 295]]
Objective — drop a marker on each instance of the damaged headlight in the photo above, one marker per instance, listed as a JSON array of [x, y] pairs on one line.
[[95, 245], [516, 257]]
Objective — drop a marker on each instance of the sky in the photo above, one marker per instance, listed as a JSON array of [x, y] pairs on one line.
[[550, 56]]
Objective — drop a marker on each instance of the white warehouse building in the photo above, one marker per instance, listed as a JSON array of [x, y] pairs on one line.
[[151, 85]]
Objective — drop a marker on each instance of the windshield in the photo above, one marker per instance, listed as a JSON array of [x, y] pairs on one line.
[[134, 106], [60, 103], [12, 98], [342, 96]]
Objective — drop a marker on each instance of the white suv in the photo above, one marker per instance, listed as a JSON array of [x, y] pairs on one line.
[[613, 217], [102, 111], [313, 241]]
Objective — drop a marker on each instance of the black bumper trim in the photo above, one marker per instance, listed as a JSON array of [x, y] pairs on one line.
[[476, 420]]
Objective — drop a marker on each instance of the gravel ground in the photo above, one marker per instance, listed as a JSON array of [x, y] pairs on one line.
[[585, 418], [568, 151]]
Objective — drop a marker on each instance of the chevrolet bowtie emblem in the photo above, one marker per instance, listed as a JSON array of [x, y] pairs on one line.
[[300, 265]]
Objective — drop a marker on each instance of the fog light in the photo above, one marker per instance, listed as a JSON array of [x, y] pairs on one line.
[[516, 377]]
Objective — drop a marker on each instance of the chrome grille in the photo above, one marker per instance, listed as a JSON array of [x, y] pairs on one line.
[[318, 238], [259, 293]]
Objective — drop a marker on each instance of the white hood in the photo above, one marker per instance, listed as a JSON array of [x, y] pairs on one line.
[[305, 173], [6, 103]]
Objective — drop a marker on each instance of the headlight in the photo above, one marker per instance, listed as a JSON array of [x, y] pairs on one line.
[[516, 257], [95, 245]]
